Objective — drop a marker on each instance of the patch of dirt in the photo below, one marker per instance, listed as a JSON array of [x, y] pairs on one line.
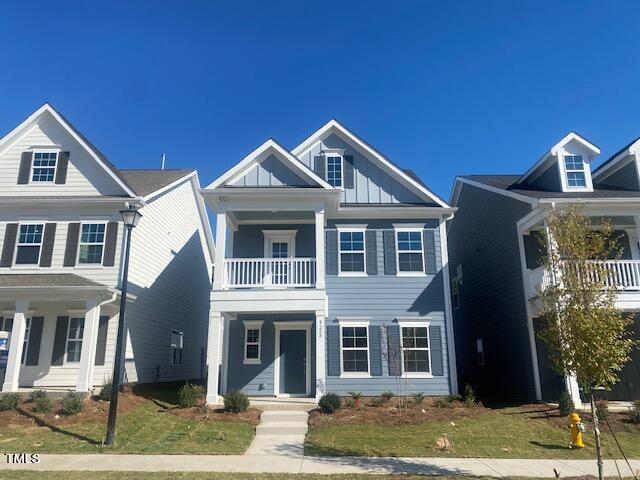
[[203, 414], [390, 414]]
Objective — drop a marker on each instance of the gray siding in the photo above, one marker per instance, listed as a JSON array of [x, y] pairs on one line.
[[625, 179], [483, 239], [271, 172], [371, 184], [248, 240], [550, 179]]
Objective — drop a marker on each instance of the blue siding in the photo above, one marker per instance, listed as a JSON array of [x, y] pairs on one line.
[[248, 240], [370, 183], [271, 172], [626, 178], [550, 179]]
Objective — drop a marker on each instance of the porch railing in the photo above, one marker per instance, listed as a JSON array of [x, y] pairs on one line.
[[269, 272], [621, 274]]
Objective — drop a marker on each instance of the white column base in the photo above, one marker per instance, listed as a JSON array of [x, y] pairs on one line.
[[214, 399], [89, 345], [16, 344]]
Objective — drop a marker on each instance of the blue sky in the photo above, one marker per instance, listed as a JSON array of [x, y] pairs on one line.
[[445, 88]]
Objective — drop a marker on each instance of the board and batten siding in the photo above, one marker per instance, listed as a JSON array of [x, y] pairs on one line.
[[270, 172], [483, 240], [371, 183], [84, 175], [382, 298]]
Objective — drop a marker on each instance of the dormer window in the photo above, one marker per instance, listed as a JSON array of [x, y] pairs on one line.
[[574, 167], [44, 166], [334, 170]]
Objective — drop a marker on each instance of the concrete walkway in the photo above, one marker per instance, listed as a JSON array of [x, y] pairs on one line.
[[280, 433], [295, 463]]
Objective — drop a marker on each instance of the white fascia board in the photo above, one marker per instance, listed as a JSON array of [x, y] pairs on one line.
[[248, 162], [506, 193], [571, 136], [586, 201], [394, 212], [333, 126], [166, 188]]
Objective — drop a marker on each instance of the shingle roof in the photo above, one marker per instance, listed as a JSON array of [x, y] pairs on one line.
[[46, 280], [146, 181], [508, 182]]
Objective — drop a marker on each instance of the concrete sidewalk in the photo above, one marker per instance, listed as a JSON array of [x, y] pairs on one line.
[[296, 463]]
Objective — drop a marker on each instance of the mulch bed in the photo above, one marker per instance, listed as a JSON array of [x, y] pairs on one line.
[[204, 414]]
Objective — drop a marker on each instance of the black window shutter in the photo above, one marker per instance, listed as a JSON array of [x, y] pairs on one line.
[[319, 166], [110, 240], [101, 342], [333, 351], [435, 341], [348, 171], [47, 244], [394, 354], [332, 252], [61, 168], [33, 345], [375, 351], [10, 233], [71, 249], [25, 168], [60, 341], [389, 252], [429, 251], [372, 253]]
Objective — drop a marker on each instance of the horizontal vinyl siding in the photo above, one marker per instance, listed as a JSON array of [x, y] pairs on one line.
[[248, 240]]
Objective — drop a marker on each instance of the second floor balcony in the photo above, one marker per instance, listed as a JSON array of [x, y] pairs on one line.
[[269, 273]]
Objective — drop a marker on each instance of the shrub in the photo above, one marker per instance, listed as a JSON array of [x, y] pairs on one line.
[[469, 396], [42, 404], [377, 402], [356, 398], [236, 402], [105, 391], [330, 403], [9, 401], [418, 398], [444, 402], [565, 404], [72, 403], [634, 412], [602, 409], [36, 394], [189, 395], [386, 396]]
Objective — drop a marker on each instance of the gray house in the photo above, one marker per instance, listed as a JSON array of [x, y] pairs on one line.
[[496, 264], [329, 274]]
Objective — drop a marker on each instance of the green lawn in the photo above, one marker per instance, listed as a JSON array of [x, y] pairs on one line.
[[493, 434], [149, 428]]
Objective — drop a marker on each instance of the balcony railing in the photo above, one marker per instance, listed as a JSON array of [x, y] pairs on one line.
[[620, 274], [269, 272]]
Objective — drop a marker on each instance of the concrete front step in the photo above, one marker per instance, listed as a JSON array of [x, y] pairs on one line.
[[284, 416], [278, 407], [281, 429]]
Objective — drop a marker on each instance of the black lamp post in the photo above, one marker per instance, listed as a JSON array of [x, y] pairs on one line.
[[131, 217]]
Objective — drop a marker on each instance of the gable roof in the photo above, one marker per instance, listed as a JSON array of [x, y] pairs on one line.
[[569, 137], [281, 153], [409, 179], [146, 181], [629, 148], [98, 156]]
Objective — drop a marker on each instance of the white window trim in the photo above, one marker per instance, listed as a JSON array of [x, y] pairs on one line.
[[364, 252], [271, 235], [55, 168], [180, 335], [66, 343], [328, 154], [104, 243], [409, 274], [563, 172], [252, 325], [415, 322], [354, 323], [15, 252]]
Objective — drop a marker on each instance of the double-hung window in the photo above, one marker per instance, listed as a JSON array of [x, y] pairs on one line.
[[354, 349], [252, 341], [351, 252], [409, 251], [29, 244], [334, 170], [74, 339], [43, 168], [415, 349], [175, 348], [574, 167], [91, 243]]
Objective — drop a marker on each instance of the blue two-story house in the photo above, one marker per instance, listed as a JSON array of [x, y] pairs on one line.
[[330, 274]]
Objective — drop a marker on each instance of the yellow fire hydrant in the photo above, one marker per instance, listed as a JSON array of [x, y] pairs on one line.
[[577, 429]]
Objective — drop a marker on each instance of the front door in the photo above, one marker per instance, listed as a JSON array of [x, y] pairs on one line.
[[293, 362]]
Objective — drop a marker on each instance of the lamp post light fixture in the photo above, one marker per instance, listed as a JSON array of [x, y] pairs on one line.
[[131, 216]]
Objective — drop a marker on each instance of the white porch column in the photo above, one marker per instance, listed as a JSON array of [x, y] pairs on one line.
[[221, 240], [320, 255], [321, 347], [213, 357], [89, 344], [16, 344]]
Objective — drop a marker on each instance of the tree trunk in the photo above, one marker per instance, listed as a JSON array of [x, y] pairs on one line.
[[596, 431]]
